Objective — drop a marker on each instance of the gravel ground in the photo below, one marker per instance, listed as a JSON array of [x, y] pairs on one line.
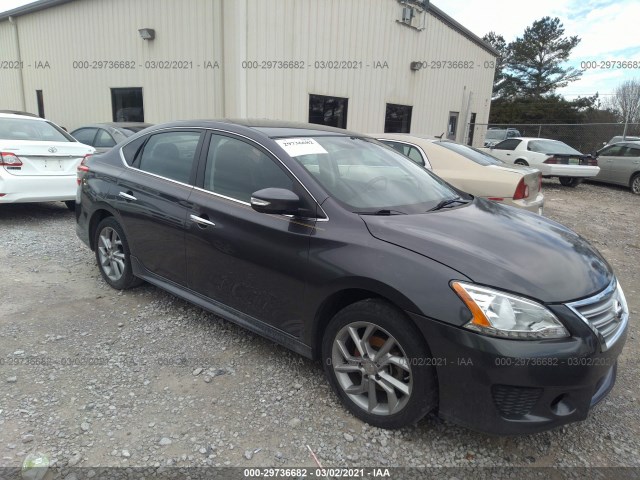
[[95, 377]]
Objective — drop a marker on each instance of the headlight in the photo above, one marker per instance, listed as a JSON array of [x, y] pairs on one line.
[[502, 315]]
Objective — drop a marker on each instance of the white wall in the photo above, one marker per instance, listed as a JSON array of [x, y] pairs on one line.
[[230, 31]]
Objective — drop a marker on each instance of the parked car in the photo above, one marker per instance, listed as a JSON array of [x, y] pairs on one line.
[[620, 138], [104, 136], [472, 170], [552, 157], [414, 295], [38, 160], [620, 165], [496, 135]]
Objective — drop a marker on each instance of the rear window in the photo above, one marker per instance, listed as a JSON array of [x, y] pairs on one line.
[[34, 130], [471, 153], [496, 134], [551, 147]]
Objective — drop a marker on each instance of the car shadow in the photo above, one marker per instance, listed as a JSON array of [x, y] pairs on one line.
[[34, 211]]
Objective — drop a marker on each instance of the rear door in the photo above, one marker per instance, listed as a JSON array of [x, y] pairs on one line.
[[253, 263], [607, 157], [152, 198], [624, 166], [504, 150]]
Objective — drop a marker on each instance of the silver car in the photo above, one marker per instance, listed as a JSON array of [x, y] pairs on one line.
[[103, 136], [620, 164]]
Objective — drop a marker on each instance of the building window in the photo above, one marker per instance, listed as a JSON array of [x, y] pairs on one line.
[[40, 99], [397, 119], [452, 128], [126, 105], [331, 111]]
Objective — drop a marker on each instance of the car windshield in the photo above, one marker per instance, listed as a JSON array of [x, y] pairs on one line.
[[471, 153], [495, 134], [552, 147], [35, 130], [367, 177]]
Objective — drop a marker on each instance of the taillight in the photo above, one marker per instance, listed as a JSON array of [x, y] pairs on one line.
[[592, 161], [522, 190], [551, 160], [8, 159], [82, 168]]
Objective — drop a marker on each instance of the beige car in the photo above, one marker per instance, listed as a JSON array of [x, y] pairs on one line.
[[472, 170]]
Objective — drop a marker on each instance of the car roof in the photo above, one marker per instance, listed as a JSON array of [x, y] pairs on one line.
[[404, 136], [270, 128], [115, 125], [21, 116]]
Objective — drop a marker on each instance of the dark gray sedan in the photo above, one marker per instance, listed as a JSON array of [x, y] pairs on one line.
[[104, 136], [415, 296], [620, 164]]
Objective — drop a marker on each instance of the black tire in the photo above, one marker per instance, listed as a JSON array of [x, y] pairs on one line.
[[114, 261], [71, 205], [521, 162], [572, 182], [634, 184], [417, 374]]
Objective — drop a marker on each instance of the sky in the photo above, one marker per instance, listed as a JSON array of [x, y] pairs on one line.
[[608, 29]]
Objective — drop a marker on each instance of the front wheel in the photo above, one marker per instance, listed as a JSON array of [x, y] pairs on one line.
[[635, 184], [570, 181], [113, 255], [379, 365]]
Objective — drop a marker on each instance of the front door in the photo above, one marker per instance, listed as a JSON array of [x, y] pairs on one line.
[[246, 261]]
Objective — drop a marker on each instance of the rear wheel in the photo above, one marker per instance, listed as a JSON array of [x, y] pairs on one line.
[[570, 181], [378, 364], [521, 162], [71, 205], [113, 255], [635, 184]]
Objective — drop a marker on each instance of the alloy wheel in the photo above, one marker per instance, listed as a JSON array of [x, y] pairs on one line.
[[111, 254], [372, 368], [635, 185]]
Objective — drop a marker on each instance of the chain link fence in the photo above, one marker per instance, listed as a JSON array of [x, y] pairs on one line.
[[584, 137]]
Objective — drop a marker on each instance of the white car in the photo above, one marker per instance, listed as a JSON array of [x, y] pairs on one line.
[[38, 161], [551, 157]]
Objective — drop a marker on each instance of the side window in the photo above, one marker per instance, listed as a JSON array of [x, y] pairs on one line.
[[104, 139], [170, 155], [85, 135], [613, 151], [509, 144], [407, 150], [131, 149], [632, 152], [236, 169]]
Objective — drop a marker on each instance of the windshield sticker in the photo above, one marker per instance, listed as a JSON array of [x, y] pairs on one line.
[[296, 147]]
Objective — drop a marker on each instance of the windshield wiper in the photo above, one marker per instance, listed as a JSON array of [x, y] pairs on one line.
[[448, 202], [384, 211]]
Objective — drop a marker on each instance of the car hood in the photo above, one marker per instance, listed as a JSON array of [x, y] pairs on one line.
[[501, 247]]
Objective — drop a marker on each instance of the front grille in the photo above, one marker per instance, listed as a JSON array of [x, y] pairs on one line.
[[606, 314], [515, 401]]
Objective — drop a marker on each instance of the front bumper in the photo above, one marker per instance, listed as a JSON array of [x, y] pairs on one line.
[[504, 387]]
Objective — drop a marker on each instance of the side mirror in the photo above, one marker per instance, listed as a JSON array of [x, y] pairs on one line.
[[275, 201]]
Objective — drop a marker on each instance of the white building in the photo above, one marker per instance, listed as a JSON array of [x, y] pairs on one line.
[[365, 65]]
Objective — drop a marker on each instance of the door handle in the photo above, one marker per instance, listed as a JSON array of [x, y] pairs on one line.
[[202, 222], [127, 196]]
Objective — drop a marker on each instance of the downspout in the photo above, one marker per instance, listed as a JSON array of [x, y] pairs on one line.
[[13, 22]]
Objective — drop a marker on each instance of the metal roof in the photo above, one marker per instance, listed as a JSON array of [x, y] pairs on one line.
[[44, 4]]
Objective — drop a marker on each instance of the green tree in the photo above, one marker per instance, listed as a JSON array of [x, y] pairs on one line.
[[535, 60], [500, 44]]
